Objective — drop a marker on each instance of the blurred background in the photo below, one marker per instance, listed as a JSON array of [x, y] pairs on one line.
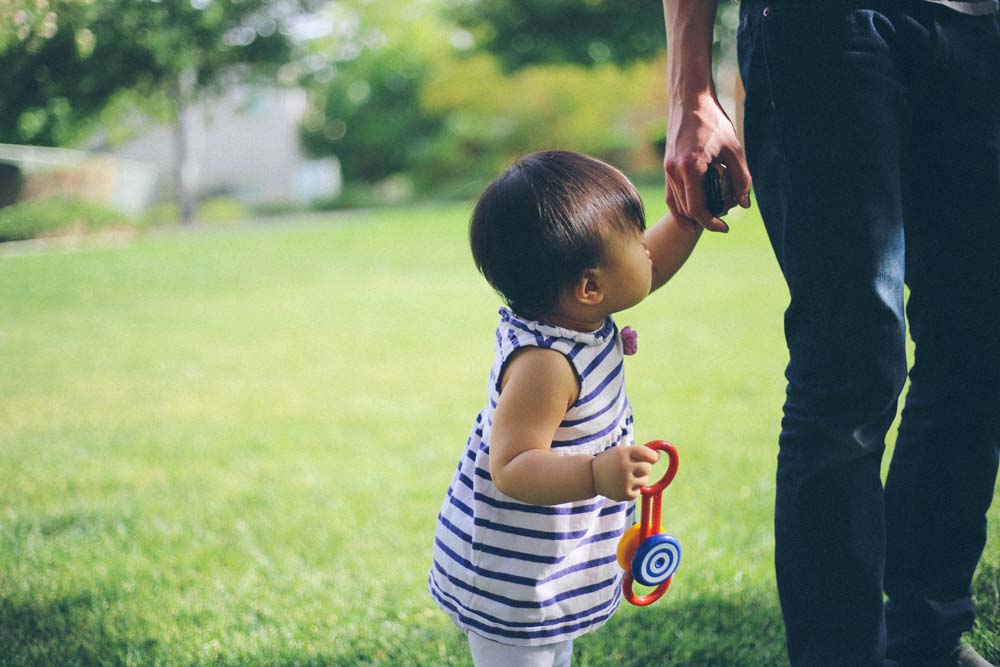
[[230, 412], [148, 112]]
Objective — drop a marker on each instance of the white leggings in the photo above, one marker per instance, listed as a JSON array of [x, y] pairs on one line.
[[488, 653]]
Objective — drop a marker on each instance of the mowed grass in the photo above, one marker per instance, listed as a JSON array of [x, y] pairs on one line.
[[229, 447]]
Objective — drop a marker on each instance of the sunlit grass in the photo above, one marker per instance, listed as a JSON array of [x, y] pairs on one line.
[[229, 446]]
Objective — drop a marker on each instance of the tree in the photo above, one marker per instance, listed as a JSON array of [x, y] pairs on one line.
[[371, 118], [365, 82], [64, 61], [586, 32], [398, 89], [530, 32], [491, 117], [61, 69]]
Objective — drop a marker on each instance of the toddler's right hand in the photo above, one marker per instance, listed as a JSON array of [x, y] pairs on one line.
[[620, 472]]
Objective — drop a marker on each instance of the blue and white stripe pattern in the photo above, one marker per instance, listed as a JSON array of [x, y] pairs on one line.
[[532, 574]]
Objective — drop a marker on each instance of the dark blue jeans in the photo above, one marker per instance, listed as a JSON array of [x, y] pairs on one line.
[[872, 131]]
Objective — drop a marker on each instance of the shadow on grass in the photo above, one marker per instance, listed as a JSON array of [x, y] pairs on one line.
[[745, 632], [68, 631], [986, 593], [722, 632], [75, 632], [732, 631]]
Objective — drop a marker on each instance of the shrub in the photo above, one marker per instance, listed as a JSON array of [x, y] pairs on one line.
[[222, 210], [55, 216], [11, 183], [158, 214]]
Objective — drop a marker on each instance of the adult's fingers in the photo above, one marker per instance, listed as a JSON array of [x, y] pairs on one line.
[[668, 189], [686, 196], [694, 187], [739, 175], [675, 190]]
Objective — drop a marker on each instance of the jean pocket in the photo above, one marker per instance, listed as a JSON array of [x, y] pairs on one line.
[[820, 7], [851, 25], [826, 52], [752, 56]]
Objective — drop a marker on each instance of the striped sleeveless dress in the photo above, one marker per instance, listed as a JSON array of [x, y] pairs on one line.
[[531, 574]]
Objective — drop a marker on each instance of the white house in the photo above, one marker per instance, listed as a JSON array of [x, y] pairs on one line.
[[244, 145]]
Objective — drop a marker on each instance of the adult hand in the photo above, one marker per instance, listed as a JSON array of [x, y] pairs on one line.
[[700, 133]]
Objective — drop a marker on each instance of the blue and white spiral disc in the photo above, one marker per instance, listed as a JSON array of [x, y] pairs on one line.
[[656, 559]]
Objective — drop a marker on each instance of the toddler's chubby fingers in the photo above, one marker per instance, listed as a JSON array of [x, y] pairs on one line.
[[643, 454], [641, 472]]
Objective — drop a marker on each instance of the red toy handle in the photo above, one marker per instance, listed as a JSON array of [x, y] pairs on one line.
[[652, 496], [652, 509], [643, 600], [668, 476]]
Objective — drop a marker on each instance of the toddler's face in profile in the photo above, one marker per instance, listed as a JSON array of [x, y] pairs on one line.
[[626, 270]]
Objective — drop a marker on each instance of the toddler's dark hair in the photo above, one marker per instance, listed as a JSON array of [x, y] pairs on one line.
[[540, 224]]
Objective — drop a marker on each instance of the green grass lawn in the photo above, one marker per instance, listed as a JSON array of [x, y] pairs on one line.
[[229, 447]]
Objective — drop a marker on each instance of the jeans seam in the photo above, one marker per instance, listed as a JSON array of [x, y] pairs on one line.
[[767, 59]]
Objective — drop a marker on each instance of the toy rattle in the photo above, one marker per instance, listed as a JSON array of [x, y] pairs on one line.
[[645, 552]]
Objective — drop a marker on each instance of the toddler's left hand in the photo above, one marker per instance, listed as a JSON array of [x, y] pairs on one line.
[[620, 472]]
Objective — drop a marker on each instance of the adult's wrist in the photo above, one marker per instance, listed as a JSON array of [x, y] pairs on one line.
[[693, 98]]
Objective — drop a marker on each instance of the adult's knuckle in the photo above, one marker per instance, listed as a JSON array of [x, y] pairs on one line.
[[692, 161]]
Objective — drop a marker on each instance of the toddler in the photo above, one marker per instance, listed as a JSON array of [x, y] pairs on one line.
[[524, 550]]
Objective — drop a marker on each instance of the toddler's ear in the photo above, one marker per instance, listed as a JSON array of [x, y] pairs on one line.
[[587, 289]]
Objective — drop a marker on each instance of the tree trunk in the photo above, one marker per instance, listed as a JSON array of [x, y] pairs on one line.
[[183, 167]]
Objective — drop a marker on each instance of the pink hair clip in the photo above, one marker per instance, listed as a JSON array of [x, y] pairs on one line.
[[630, 340]]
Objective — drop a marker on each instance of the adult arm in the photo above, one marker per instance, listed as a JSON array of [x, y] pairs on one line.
[[699, 129]]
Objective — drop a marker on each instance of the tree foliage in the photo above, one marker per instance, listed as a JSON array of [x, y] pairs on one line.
[[366, 80], [491, 117], [370, 116], [410, 94], [64, 60], [585, 32]]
